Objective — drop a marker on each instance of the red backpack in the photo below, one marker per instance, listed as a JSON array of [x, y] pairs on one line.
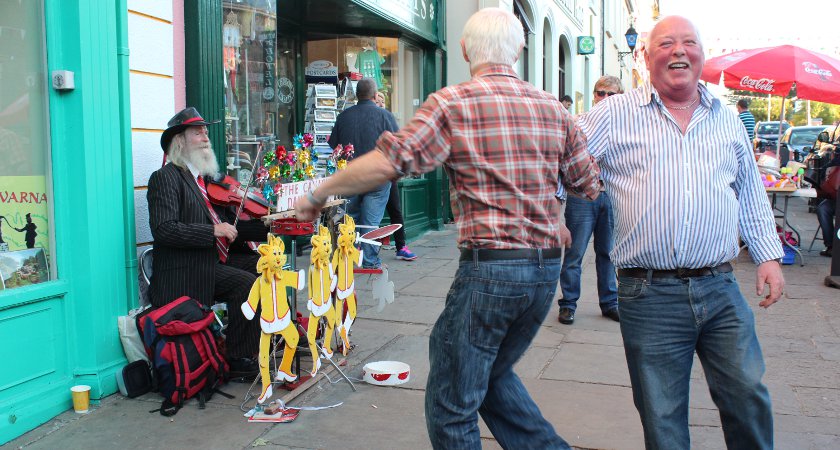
[[185, 359]]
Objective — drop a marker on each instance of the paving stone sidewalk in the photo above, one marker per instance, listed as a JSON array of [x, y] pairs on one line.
[[577, 374]]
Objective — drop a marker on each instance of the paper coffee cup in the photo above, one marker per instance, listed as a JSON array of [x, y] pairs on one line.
[[81, 398]]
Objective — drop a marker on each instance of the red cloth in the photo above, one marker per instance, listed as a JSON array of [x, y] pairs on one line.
[[831, 183], [221, 242], [504, 144]]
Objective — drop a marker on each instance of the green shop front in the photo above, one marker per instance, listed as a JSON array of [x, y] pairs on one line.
[[257, 65], [67, 258]]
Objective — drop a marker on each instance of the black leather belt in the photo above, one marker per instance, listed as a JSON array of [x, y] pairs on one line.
[[495, 254], [638, 272]]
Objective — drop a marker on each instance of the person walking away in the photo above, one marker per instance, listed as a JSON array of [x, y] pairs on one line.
[[746, 117], [683, 183], [503, 143], [361, 125]]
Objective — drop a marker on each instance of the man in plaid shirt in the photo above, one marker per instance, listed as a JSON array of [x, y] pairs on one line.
[[503, 143]]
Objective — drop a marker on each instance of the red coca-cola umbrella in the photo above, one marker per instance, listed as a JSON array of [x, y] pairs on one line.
[[774, 70]]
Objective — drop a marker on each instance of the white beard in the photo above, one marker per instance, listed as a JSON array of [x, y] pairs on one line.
[[202, 159]]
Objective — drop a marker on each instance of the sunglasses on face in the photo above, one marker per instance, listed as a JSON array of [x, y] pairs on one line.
[[605, 93]]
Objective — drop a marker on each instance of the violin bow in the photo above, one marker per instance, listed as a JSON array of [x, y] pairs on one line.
[[245, 193]]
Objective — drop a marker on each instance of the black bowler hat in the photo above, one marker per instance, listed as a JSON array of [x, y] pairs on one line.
[[188, 117]]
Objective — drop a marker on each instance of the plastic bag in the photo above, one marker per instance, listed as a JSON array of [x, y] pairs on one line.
[[130, 337]]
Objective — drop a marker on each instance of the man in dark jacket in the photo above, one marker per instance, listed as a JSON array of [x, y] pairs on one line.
[[198, 252], [361, 125]]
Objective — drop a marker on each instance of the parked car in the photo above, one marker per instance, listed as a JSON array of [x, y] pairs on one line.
[[767, 135], [796, 139]]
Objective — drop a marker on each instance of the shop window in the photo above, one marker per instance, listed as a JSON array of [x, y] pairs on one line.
[[338, 62], [521, 65], [410, 85], [25, 196], [259, 74], [333, 59]]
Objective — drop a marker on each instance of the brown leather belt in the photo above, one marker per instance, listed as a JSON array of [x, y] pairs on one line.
[[495, 254], [638, 272]]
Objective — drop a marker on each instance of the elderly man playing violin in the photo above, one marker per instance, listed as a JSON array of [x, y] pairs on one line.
[[198, 250]]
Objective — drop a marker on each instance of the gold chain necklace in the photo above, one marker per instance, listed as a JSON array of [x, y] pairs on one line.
[[683, 108]]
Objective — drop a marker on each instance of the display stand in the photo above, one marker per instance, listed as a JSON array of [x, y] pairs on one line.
[[321, 113], [295, 229]]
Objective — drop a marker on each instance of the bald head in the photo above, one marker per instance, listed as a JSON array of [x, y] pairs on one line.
[[674, 56], [681, 21]]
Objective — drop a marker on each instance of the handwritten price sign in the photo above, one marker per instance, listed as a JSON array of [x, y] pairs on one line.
[[293, 191]]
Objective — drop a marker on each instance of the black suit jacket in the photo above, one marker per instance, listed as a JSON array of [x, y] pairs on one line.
[[185, 253]]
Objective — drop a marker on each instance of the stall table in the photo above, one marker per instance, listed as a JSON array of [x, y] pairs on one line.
[[782, 213]]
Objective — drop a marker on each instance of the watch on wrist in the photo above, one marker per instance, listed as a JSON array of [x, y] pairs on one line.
[[314, 200]]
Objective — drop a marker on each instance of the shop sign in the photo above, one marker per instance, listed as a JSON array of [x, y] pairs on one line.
[[321, 71], [292, 191], [285, 90], [321, 68], [585, 45], [419, 16], [268, 68]]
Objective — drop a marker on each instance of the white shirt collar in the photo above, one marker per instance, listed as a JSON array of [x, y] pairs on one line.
[[193, 171]]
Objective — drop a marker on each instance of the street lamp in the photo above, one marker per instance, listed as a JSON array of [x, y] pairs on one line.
[[631, 37]]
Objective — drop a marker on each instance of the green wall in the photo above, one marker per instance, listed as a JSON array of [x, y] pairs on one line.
[[64, 332]]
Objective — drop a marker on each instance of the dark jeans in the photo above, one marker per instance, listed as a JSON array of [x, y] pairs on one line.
[[586, 218], [493, 311], [825, 215], [395, 213]]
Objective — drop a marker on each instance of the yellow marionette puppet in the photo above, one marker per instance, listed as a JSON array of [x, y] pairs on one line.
[[269, 292], [321, 283], [343, 259]]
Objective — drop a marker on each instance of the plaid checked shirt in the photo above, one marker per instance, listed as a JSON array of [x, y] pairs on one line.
[[503, 143]]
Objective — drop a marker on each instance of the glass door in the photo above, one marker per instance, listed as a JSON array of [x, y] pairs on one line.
[[410, 86], [25, 187]]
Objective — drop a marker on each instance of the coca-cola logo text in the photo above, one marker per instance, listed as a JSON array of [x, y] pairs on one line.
[[815, 69], [763, 84]]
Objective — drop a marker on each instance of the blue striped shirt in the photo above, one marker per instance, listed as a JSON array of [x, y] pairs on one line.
[[679, 201], [749, 123]]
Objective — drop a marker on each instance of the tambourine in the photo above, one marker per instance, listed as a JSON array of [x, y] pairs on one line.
[[386, 373]]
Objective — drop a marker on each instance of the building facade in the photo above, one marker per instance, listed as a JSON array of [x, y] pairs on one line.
[[67, 258], [569, 43], [88, 87]]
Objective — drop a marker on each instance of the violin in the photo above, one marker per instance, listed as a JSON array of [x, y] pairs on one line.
[[224, 190]]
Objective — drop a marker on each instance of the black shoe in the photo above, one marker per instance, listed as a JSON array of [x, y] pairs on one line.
[[243, 367], [566, 316], [612, 314], [826, 252]]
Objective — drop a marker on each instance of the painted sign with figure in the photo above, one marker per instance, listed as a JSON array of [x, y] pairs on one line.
[[24, 213]]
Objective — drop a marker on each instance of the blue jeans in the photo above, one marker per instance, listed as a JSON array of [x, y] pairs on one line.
[[825, 216], [583, 218], [368, 209], [663, 322], [493, 311]]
